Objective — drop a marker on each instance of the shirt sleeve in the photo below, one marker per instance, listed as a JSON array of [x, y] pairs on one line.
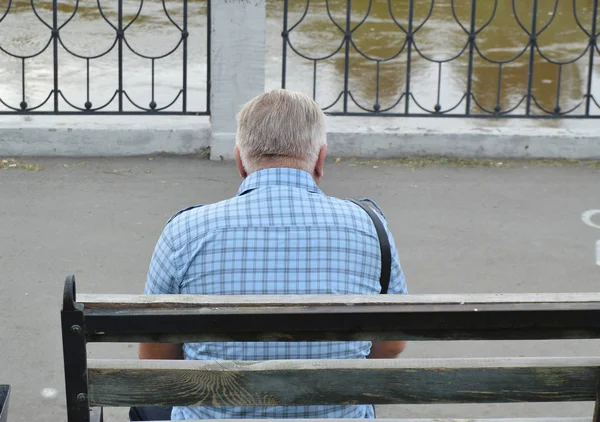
[[163, 275]]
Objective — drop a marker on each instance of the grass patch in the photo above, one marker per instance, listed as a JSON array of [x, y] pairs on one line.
[[12, 164], [422, 162]]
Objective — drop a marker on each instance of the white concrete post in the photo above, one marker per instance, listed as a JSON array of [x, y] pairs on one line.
[[237, 66]]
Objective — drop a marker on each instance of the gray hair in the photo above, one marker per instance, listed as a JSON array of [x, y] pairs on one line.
[[280, 126]]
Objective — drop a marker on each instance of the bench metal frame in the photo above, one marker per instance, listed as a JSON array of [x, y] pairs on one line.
[[4, 396], [182, 318]]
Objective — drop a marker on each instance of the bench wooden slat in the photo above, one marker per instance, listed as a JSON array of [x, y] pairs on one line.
[[188, 318], [567, 419], [305, 382], [115, 301]]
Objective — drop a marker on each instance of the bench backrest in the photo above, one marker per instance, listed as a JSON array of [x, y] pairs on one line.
[[186, 318]]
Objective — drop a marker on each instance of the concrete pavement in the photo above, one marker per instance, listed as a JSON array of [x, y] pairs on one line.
[[458, 230]]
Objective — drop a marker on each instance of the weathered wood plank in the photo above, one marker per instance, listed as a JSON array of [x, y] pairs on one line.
[[104, 301], [342, 321], [303, 382], [567, 419]]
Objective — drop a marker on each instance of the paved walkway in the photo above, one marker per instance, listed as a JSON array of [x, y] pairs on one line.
[[457, 229]]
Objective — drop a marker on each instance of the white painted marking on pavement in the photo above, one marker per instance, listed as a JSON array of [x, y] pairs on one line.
[[49, 393], [587, 218]]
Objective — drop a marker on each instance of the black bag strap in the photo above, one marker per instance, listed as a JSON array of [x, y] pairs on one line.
[[384, 244]]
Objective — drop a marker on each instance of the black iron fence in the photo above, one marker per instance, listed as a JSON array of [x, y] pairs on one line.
[[453, 58], [101, 57]]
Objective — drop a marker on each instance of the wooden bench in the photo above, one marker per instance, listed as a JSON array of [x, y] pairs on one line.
[[184, 318], [4, 395]]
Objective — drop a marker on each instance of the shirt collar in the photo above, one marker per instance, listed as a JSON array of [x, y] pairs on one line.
[[279, 177]]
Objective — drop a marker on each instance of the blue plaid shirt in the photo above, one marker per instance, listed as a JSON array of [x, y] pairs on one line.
[[280, 235]]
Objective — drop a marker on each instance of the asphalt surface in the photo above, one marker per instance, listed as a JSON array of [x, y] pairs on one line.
[[458, 230]]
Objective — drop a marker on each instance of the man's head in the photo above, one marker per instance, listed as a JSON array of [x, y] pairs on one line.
[[281, 129]]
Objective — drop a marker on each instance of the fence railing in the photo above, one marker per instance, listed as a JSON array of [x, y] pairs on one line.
[[46, 55], [439, 58], [475, 58]]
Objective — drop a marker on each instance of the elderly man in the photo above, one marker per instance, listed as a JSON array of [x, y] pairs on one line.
[[280, 235]]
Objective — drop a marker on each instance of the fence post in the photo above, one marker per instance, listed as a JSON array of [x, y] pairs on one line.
[[237, 66]]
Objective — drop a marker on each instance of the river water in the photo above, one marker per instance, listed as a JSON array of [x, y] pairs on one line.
[[439, 37]]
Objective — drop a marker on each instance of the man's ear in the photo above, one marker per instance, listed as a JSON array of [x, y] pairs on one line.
[[319, 167], [240, 165]]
